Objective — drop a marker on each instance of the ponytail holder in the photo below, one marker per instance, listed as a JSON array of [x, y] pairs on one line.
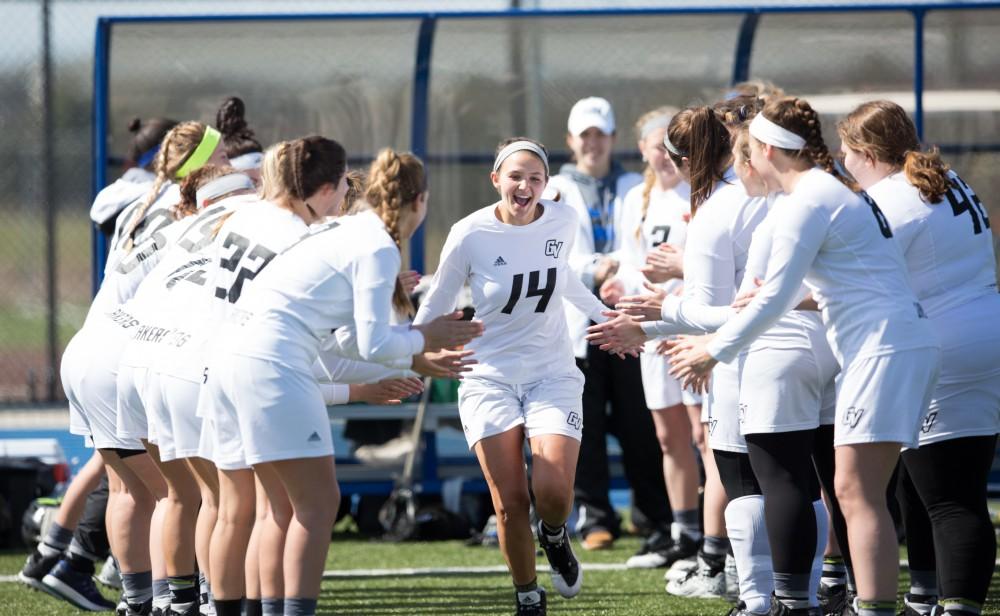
[[520, 146], [209, 141], [223, 186], [768, 132]]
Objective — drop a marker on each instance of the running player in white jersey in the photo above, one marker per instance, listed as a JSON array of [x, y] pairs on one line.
[[525, 386], [90, 363], [841, 245], [261, 370], [654, 225], [944, 232]]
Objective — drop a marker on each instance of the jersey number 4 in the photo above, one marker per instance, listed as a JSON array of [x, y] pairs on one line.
[[252, 263], [963, 199], [545, 294]]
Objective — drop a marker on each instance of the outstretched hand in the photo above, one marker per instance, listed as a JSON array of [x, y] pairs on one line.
[[643, 307], [449, 331], [690, 362], [387, 391], [619, 335], [444, 364]]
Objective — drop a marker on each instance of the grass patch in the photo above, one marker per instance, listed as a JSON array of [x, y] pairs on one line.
[[606, 593]]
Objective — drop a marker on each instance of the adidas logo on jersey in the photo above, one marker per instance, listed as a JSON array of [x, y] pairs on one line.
[[313, 438], [499, 262]]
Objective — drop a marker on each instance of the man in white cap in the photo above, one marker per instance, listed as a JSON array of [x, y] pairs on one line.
[[613, 401]]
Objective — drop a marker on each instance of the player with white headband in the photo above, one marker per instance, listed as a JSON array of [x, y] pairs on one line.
[[91, 361], [654, 220], [944, 232], [841, 245], [525, 386]]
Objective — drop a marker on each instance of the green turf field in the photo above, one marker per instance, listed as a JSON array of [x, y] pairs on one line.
[[606, 593]]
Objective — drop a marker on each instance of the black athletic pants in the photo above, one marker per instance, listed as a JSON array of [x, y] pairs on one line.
[[950, 479], [736, 473], [614, 403], [782, 462]]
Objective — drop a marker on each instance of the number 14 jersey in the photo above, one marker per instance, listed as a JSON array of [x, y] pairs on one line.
[[519, 277]]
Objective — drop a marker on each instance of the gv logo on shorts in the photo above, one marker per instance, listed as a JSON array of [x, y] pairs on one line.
[[741, 412], [552, 248], [711, 425], [929, 422], [574, 420], [853, 416]]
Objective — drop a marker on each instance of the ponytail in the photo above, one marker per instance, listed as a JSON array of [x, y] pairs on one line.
[[394, 181], [883, 131], [698, 134]]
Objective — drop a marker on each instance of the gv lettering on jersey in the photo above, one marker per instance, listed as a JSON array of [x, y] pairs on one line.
[[552, 248]]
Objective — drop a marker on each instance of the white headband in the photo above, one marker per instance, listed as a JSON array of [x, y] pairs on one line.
[[660, 121], [247, 161], [671, 147], [223, 186], [519, 146], [770, 133]]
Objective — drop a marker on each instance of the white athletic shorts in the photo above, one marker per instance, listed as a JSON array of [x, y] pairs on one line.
[[90, 366], [785, 390], [966, 401], [264, 411], [883, 399], [662, 390], [553, 405], [172, 412], [131, 421], [721, 407], [689, 398]]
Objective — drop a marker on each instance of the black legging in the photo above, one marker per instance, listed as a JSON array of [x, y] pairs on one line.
[[736, 473], [950, 478], [782, 462], [916, 522], [824, 459]]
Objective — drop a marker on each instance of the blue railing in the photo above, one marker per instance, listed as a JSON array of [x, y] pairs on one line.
[[424, 52]]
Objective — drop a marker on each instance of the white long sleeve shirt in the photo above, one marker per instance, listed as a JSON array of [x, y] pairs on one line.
[[520, 277], [841, 245], [665, 223]]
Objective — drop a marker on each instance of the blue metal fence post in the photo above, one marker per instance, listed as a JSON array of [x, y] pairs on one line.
[[420, 118], [99, 135], [744, 48], [918, 71]]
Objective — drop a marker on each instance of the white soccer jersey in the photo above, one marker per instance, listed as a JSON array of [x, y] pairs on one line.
[[342, 274], [840, 244], [519, 277], [125, 269], [715, 257], [947, 245], [665, 223]]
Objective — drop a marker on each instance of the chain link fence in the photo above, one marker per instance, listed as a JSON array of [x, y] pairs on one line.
[[353, 80]]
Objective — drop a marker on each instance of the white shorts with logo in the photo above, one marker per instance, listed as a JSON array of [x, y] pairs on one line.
[[884, 398], [721, 406], [553, 405], [966, 401], [132, 421], [662, 390], [785, 390], [264, 411], [90, 367]]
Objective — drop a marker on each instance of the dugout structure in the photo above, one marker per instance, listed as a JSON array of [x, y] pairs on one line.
[[450, 85]]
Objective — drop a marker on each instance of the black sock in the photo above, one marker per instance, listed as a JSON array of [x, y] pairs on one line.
[[530, 586], [80, 563], [230, 607]]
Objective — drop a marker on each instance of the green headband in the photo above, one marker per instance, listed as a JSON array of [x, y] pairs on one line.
[[201, 153]]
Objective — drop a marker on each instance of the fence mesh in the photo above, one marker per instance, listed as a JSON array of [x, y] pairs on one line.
[[353, 80]]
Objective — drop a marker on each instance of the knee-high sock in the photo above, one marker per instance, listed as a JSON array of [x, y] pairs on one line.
[[822, 528], [751, 550]]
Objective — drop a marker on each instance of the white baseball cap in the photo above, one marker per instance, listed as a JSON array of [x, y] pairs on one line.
[[593, 111]]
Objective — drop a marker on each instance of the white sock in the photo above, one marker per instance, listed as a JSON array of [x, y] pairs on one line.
[[751, 550], [822, 528]]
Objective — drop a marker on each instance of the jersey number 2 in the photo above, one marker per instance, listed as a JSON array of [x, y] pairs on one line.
[[255, 261], [544, 294]]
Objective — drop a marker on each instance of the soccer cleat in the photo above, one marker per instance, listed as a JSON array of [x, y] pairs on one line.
[[599, 539], [135, 609], [919, 605], [567, 577], [191, 610], [740, 609], [780, 609], [76, 587], [36, 568], [110, 575], [661, 550], [832, 599], [705, 582], [679, 570], [533, 603]]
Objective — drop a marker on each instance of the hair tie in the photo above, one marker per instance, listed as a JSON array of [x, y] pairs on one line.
[[768, 132], [520, 146], [209, 141]]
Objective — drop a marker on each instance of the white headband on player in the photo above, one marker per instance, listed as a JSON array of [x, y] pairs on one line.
[[671, 147], [520, 146], [768, 132], [223, 186], [247, 161], [660, 121]]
